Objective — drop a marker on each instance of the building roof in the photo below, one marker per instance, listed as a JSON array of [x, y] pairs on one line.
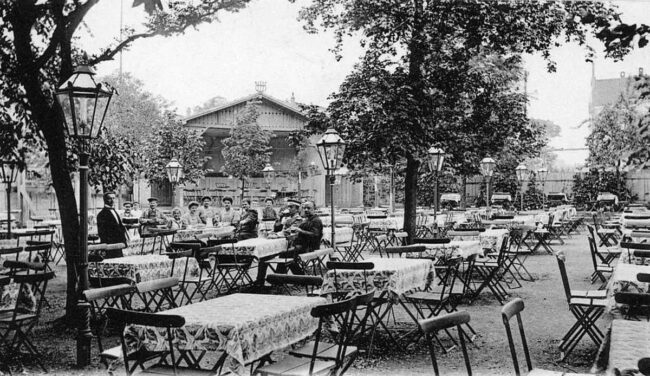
[[292, 107]]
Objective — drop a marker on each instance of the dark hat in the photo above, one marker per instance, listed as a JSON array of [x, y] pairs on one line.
[[189, 206], [226, 199], [294, 202], [152, 199], [268, 199], [206, 197], [127, 203]]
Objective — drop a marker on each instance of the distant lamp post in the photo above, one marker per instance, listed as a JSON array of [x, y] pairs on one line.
[[269, 173], [84, 104], [435, 160], [487, 170], [174, 174], [8, 174], [340, 173], [330, 150], [522, 174], [542, 174]]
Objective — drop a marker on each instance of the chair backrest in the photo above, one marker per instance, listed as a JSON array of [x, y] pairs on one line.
[[404, 249], [168, 322], [636, 246], [309, 282], [340, 312], [593, 251], [462, 233], [514, 308], [643, 277], [157, 295], [561, 259], [36, 284], [442, 322], [431, 241], [644, 366], [350, 265]]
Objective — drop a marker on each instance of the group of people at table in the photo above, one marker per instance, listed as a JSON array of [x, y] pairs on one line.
[[307, 228]]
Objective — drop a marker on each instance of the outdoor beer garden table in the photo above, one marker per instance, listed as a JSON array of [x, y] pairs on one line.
[[624, 280], [390, 223], [635, 220], [636, 236], [455, 248], [390, 279], [488, 239], [630, 341], [216, 232], [141, 268], [327, 219], [262, 249], [246, 327]]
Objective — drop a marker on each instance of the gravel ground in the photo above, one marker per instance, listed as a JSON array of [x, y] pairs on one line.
[[546, 319]]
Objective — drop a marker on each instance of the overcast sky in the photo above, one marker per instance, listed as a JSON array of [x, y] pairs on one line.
[[266, 42]]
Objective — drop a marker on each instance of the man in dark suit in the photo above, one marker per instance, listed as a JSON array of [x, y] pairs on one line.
[[109, 224]]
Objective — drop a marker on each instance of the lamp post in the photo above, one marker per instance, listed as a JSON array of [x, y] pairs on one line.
[[330, 150], [542, 173], [8, 174], [269, 173], [522, 174], [84, 104], [174, 174], [487, 170], [436, 159]]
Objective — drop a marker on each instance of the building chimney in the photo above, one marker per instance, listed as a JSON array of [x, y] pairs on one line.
[[260, 87], [640, 71], [293, 98]]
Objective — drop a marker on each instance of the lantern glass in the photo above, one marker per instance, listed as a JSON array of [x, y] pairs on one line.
[[84, 103], [487, 167], [522, 172], [436, 159], [542, 173], [8, 171], [174, 171], [331, 148]]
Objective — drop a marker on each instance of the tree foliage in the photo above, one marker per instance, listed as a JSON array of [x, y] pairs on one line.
[[173, 140], [248, 149], [586, 188]]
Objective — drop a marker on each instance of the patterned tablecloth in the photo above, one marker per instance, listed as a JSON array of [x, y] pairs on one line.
[[489, 239], [393, 275], [343, 235], [216, 232], [455, 248], [624, 279], [390, 223], [245, 326], [260, 247], [630, 342], [141, 268], [327, 219]]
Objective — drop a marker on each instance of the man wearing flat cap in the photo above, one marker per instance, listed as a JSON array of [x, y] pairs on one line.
[[152, 217], [128, 207], [192, 218], [206, 212], [228, 216], [293, 219]]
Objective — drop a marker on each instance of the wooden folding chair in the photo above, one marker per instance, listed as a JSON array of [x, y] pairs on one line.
[[318, 357], [636, 305], [230, 268], [599, 269], [157, 295], [606, 254], [587, 307], [314, 262], [491, 271], [16, 323], [286, 283], [435, 324]]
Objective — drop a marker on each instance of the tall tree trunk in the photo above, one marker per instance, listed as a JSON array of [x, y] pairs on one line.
[[410, 196], [463, 192], [243, 186]]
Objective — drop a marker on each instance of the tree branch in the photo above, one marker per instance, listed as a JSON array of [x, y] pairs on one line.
[[109, 53]]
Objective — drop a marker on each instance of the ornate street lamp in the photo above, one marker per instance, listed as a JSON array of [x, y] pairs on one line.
[[269, 174], [84, 104], [436, 159], [174, 174], [542, 174], [8, 174], [522, 174], [487, 170], [331, 148]]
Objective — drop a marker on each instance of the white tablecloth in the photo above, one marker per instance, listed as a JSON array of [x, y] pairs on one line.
[[462, 248], [343, 235], [215, 232], [245, 326]]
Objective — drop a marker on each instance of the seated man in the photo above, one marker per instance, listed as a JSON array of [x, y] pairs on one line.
[[269, 213], [309, 232], [293, 218], [193, 218], [206, 212], [228, 216], [152, 217], [248, 223]]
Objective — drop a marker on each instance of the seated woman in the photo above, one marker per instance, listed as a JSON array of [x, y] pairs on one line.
[[192, 219], [176, 222]]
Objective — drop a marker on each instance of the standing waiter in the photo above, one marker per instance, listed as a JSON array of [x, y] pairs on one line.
[[109, 224]]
